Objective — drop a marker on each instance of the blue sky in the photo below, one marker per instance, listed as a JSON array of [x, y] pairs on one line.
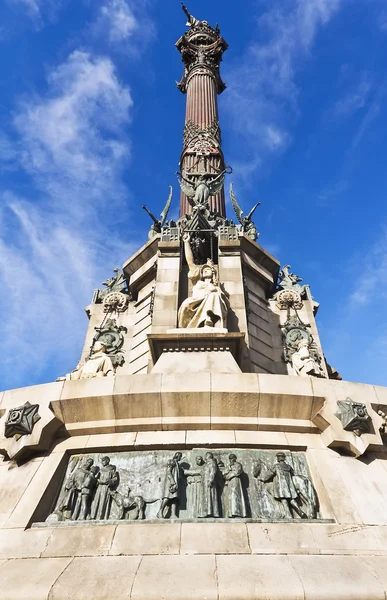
[[90, 129]]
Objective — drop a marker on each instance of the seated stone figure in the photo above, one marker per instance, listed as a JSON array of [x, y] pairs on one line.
[[302, 362], [208, 305], [98, 365]]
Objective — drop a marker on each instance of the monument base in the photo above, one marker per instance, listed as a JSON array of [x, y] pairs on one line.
[[215, 350]]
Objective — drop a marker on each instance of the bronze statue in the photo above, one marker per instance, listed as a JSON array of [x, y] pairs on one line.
[[126, 503], [235, 501], [248, 226], [170, 493], [195, 476], [284, 490], [108, 480], [191, 22], [198, 187], [79, 488], [158, 223]]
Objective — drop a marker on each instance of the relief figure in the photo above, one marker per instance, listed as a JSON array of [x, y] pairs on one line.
[[170, 493], [79, 487], [195, 476], [284, 489], [234, 498], [108, 480]]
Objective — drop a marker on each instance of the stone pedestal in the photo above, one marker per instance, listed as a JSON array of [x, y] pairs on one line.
[[196, 351]]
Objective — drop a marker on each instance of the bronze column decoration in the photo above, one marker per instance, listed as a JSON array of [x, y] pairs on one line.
[[201, 48]]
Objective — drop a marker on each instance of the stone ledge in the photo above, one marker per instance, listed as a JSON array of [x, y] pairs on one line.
[[191, 577]]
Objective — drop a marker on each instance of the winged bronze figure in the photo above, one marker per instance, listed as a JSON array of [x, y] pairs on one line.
[[248, 226], [158, 223], [201, 186]]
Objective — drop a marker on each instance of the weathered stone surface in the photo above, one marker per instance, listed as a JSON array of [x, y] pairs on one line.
[[111, 441], [13, 482], [35, 495], [214, 538], [31, 578], [17, 543], [146, 538], [338, 577], [377, 565], [176, 578], [258, 578], [350, 539], [240, 399], [282, 396], [281, 538], [326, 464], [35, 394], [97, 578], [210, 438], [275, 439], [96, 397], [366, 485], [186, 396], [80, 541], [77, 442], [204, 362], [160, 438], [137, 396]]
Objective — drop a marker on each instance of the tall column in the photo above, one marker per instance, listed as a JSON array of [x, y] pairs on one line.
[[201, 48]]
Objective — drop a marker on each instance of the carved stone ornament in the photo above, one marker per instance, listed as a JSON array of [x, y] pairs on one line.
[[290, 281], [288, 298], [354, 416], [21, 420], [203, 141], [299, 347], [27, 430], [115, 302], [199, 483], [111, 335], [117, 283]]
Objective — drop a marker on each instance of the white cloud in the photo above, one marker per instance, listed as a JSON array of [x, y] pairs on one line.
[[74, 132], [120, 20], [354, 99], [262, 95], [57, 244]]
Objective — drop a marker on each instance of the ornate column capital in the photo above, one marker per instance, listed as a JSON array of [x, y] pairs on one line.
[[201, 49]]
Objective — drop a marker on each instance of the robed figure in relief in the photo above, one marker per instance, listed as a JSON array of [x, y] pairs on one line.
[[108, 480], [208, 305], [235, 501]]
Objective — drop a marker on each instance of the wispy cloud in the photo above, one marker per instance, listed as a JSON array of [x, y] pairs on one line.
[[262, 97], [37, 11], [31, 6], [119, 20], [55, 243], [353, 99], [330, 192], [371, 282]]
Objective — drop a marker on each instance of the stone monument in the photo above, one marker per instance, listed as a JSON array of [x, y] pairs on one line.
[[203, 447]]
